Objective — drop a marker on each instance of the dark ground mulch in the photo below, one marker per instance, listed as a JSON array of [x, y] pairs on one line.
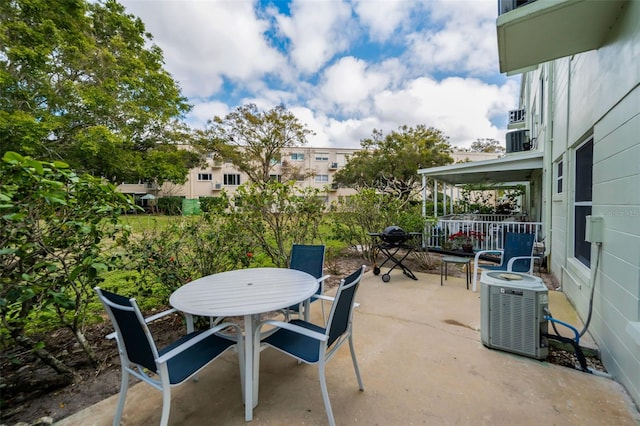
[[30, 390]]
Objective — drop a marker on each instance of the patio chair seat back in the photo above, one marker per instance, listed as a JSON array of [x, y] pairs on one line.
[[139, 348], [518, 245], [309, 259]]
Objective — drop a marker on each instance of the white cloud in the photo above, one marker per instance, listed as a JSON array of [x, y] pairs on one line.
[[382, 18], [461, 108], [431, 62], [205, 110], [205, 41], [350, 84], [461, 41], [317, 31]]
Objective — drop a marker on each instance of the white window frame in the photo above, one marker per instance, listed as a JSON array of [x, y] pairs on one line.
[[559, 177], [297, 156], [581, 208], [205, 177], [321, 178]]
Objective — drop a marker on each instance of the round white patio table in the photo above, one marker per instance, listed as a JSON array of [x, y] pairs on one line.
[[247, 293]]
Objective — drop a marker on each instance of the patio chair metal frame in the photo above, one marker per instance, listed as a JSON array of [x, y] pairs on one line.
[[313, 344], [163, 368]]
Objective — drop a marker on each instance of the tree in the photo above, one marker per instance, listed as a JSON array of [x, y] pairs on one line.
[[276, 215], [486, 145], [81, 82], [54, 229], [389, 163], [253, 140]]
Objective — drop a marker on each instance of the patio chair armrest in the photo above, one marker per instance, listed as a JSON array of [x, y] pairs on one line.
[[513, 259], [147, 320], [160, 315], [325, 297], [197, 339], [295, 328], [321, 281], [481, 252]]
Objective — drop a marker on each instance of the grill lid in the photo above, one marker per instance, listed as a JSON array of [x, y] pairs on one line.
[[394, 234]]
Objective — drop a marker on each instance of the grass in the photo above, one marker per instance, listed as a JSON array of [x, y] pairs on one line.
[[143, 222]]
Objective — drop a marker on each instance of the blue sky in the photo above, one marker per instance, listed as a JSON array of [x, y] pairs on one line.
[[343, 67]]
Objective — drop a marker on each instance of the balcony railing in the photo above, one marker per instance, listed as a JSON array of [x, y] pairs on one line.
[[516, 119], [491, 227]]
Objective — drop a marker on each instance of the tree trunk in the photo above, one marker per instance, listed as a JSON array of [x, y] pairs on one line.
[[86, 346], [45, 356]]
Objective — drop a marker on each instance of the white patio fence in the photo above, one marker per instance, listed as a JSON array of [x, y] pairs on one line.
[[492, 228]]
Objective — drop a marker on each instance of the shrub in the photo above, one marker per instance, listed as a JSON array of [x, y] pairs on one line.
[[171, 206]]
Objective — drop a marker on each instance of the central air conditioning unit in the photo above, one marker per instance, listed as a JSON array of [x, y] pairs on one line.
[[517, 141], [512, 311]]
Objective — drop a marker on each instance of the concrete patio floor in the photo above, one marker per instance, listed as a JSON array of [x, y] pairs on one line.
[[422, 362]]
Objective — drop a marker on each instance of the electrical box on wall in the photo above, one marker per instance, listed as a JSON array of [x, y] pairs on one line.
[[594, 229]]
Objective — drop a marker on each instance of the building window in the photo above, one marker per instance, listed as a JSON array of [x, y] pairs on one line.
[[322, 178], [583, 201], [299, 178], [275, 178], [559, 179], [322, 156], [297, 156], [205, 176], [232, 179]]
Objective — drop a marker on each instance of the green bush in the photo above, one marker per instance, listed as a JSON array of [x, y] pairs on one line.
[[171, 206], [53, 227], [214, 204]]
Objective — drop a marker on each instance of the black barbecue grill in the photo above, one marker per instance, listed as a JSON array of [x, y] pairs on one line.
[[390, 242]]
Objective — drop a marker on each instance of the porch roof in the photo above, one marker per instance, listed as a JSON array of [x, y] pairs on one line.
[[511, 168]]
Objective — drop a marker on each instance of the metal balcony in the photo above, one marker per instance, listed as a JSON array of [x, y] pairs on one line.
[[538, 31]]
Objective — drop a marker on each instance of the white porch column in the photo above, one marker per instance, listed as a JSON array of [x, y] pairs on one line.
[[435, 198], [451, 199]]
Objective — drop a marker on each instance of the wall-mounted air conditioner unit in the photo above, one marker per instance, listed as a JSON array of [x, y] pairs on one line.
[[333, 166], [517, 141], [512, 311], [217, 186]]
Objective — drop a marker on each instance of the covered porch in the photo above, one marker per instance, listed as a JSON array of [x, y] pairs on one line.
[[523, 168]]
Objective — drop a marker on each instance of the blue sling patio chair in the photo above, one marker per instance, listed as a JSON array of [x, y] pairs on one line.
[[517, 255], [313, 344], [309, 259], [166, 367]]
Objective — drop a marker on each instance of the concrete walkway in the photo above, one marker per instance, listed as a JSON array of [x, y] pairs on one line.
[[422, 362]]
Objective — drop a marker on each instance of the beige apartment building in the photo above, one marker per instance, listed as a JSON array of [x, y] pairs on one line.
[[315, 168]]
